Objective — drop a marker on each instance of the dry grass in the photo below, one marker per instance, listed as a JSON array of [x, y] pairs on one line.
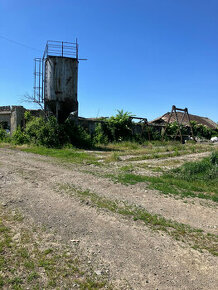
[[32, 259]]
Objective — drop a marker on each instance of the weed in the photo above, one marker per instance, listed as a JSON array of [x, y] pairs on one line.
[[26, 257], [114, 157], [127, 168], [32, 276], [90, 284], [48, 251], [1, 281], [16, 281], [23, 253], [29, 264]]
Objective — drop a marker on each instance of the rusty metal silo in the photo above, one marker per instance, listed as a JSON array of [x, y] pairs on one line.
[[61, 78], [59, 72]]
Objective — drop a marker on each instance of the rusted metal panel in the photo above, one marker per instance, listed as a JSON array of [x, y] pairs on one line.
[[61, 78]]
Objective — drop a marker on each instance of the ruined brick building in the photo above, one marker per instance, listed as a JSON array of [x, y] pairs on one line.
[[12, 117]]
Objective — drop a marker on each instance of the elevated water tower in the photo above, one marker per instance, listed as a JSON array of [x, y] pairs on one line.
[[56, 78]]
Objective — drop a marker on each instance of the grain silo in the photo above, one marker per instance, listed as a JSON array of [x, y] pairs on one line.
[[58, 72]]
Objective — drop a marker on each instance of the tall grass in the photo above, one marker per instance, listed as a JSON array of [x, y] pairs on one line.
[[206, 169], [194, 179]]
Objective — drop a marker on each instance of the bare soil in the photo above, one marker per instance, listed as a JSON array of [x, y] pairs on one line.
[[133, 256]]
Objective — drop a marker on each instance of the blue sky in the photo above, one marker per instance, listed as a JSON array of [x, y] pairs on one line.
[[143, 55]]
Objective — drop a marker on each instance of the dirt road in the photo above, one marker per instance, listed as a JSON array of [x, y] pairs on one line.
[[133, 256]]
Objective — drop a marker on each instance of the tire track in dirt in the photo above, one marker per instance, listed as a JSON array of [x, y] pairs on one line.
[[134, 256], [192, 213]]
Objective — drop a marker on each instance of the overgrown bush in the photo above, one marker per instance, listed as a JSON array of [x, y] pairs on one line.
[[152, 133], [173, 130], [199, 130], [100, 136], [50, 134], [46, 133], [115, 128], [27, 116], [121, 128], [202, 131], [76, 135], [19, 137], [3, 134]]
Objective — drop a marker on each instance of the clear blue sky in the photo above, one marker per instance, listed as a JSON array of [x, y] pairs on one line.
[[143, 55]]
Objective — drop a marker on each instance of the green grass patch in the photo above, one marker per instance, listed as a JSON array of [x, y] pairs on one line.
[[192, 179], [194, 237], [66, 154], [171, 185], [127, 168]]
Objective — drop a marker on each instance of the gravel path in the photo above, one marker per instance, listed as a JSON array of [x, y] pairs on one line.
[[134, 256]]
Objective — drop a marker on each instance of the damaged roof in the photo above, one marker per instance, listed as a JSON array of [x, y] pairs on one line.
[[200, 120]]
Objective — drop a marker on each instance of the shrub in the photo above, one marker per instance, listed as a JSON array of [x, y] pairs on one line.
[[202, 131], [153, 133], [50, 134], [46, 133], [120, 126], [115, 128], [199, 130], [76, 135], [173, 130], [100, 137], [27, 116], [19, 137], [3, 134]]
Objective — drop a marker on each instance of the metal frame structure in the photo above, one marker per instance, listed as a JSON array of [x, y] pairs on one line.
[[185, 113], [38, 81], [61, 48]]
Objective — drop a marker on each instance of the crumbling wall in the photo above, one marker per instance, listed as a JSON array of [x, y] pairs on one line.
[[17, 117], [12, 117], [5, 117], [90, 124]]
